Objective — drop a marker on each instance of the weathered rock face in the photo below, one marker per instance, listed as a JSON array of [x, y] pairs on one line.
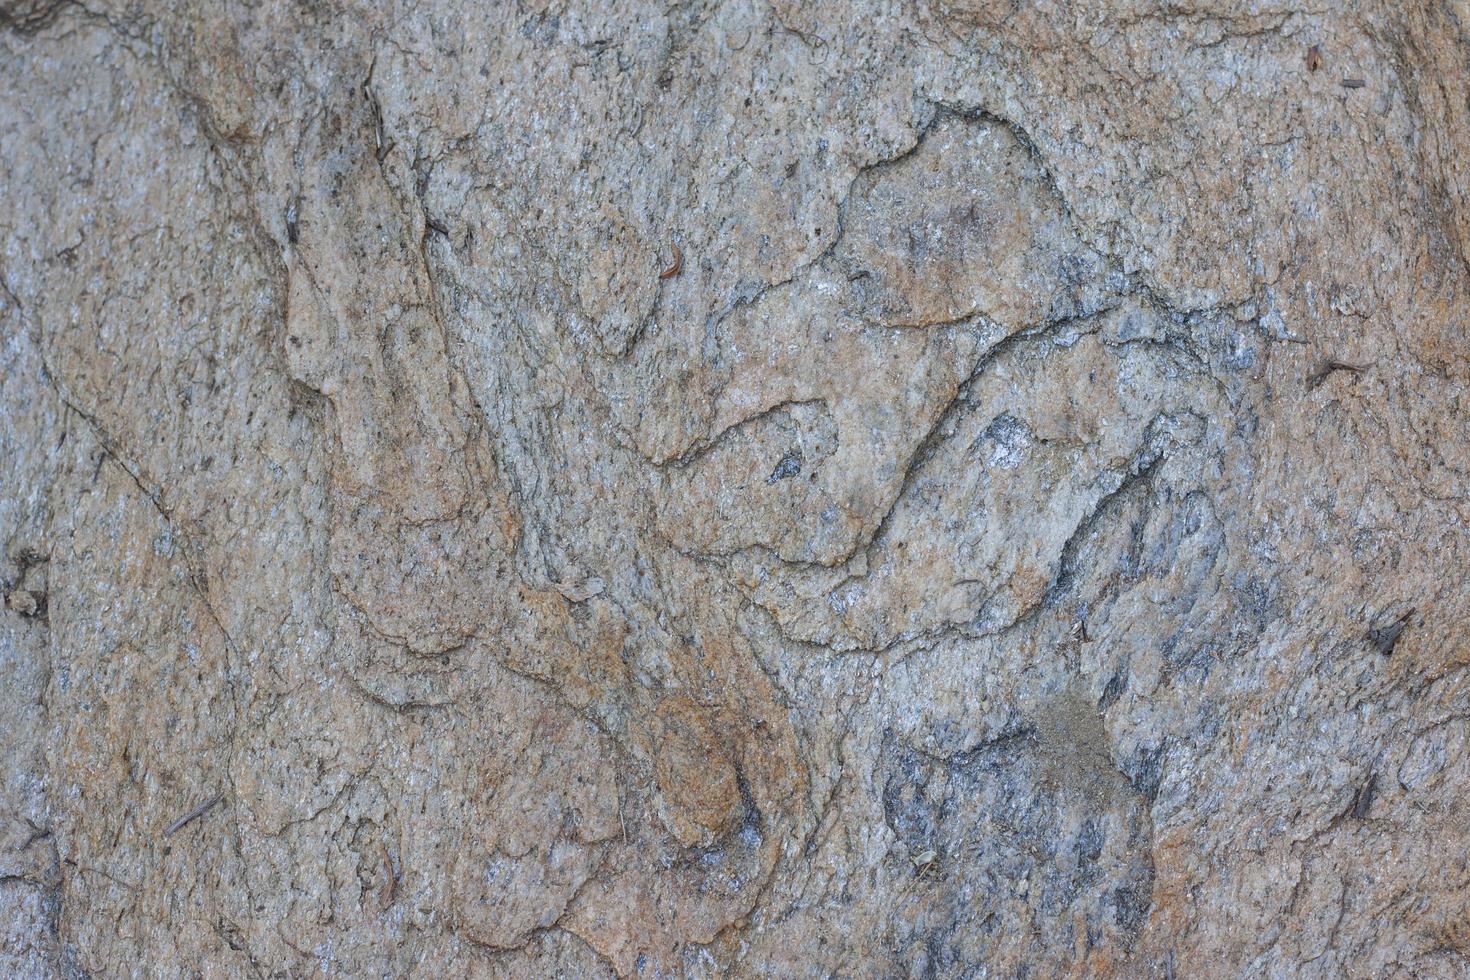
[[850, 489]]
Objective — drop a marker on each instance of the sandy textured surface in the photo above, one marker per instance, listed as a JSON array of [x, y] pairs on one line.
[[962, 488]]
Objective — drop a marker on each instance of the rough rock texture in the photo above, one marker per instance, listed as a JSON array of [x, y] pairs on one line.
[[959, 488]]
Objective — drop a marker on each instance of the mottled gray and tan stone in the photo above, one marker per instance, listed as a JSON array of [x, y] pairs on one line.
[[1022, 533]]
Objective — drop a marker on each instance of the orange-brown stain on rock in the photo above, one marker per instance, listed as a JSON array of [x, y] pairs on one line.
[[695, 771]]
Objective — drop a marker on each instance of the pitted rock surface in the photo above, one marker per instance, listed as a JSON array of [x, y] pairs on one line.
[[935, 489]]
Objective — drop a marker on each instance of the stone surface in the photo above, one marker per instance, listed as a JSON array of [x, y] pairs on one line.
[[956, 488]]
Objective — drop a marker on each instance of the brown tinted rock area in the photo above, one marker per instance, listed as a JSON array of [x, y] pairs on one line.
[[953, 488]]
